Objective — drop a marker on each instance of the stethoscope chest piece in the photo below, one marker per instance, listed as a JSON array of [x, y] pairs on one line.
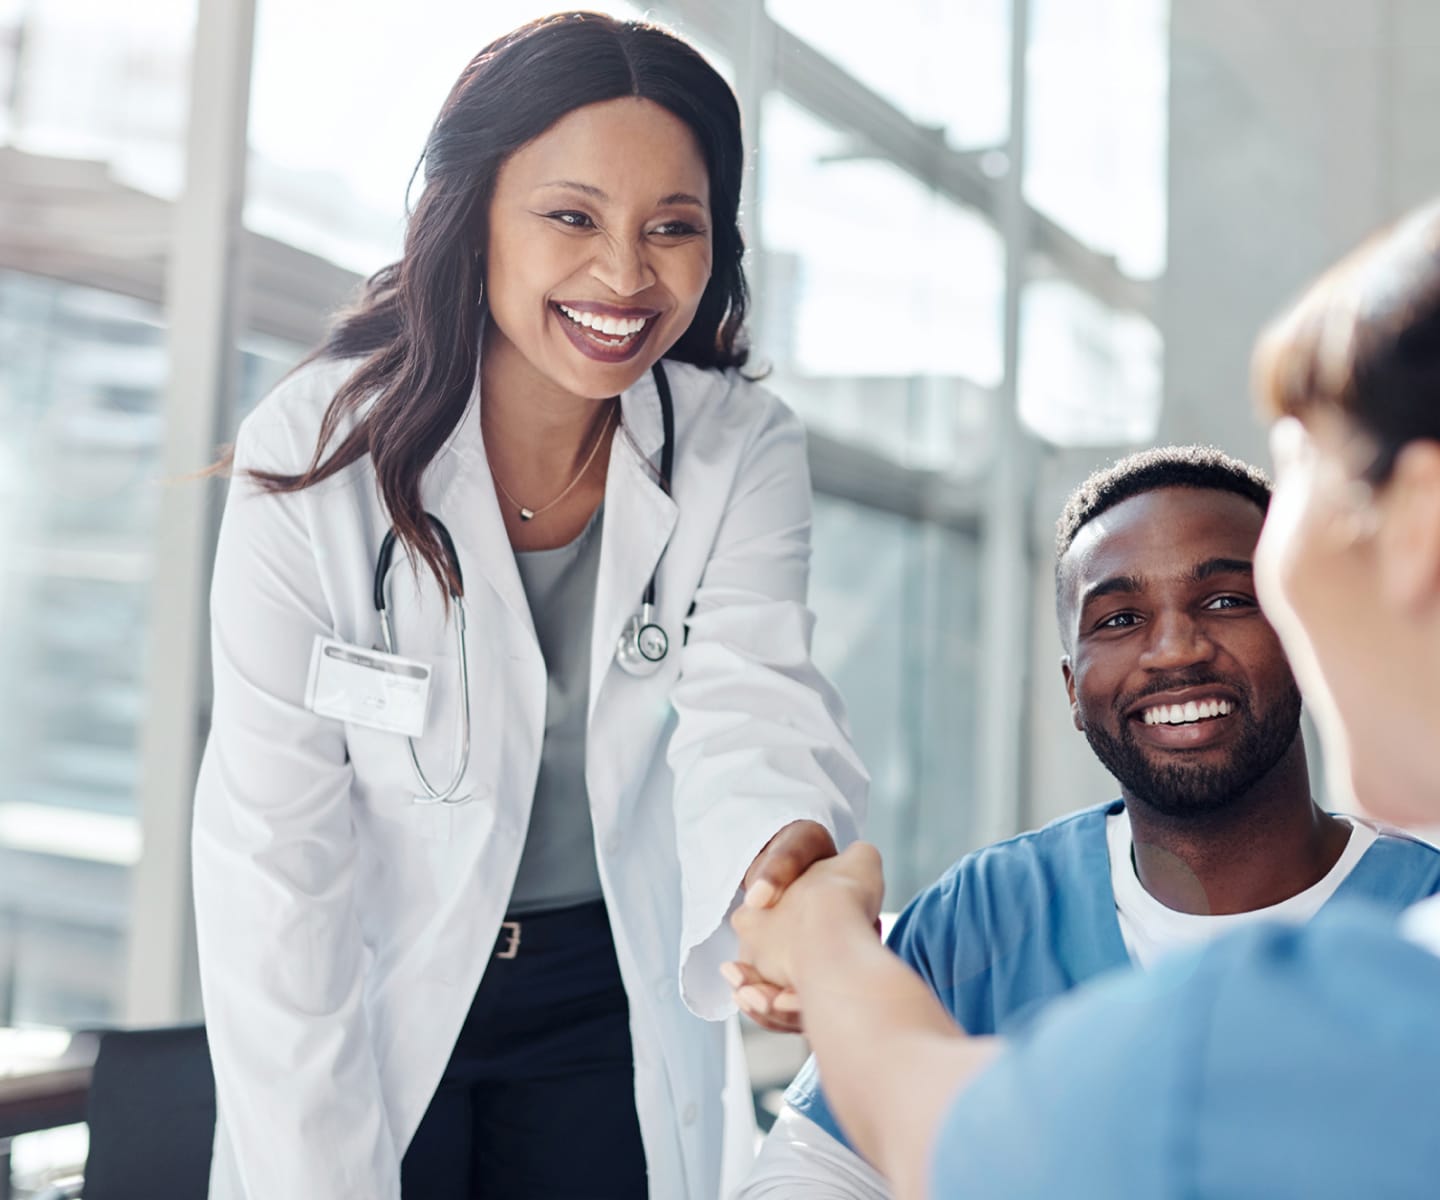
[[642, 647], [643, 643]]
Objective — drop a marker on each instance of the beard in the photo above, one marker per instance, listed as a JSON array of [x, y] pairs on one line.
[[1176, 788]]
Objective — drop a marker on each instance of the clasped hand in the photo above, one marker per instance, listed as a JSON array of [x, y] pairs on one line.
[[837, 895]]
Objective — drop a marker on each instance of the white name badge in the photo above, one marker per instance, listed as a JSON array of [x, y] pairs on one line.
[[368, 687]]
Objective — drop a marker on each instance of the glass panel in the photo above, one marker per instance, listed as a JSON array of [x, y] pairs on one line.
[[943, 62], [897, 604], [95, 79], [1089, 376], [878, 301], [867, 271], [82, 373], [1098, 87], [860, 585], [931, 423], [263, 362], [944, 668]]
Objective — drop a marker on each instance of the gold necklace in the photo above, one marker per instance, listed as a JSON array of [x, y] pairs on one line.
[[529, 514]]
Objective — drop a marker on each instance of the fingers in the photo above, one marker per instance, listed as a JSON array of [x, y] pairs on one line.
[[784, 859], [760, 959], [860, 864], [763, 892], [757, 999], [770, 1007], [739, 974], [863, 857], [777, 1022], [762, 997], [773, 932], [787, 1003]]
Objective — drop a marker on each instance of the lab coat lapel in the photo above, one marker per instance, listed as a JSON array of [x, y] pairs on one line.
[[639, 519], [460, 489]]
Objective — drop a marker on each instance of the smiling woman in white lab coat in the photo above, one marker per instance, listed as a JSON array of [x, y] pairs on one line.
[[460, 904]]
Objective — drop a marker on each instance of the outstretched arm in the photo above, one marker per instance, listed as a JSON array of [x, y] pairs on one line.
[[766, 780], [891, 1057]]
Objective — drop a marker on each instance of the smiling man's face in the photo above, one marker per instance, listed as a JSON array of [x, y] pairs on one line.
[[1175, 677]]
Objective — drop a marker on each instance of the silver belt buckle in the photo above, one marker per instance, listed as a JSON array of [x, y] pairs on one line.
[[511, 929]]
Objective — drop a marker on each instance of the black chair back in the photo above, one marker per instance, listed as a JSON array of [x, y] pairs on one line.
[[151, 1112]]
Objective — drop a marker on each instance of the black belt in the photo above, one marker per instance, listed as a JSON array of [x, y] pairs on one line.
[[552, 928]]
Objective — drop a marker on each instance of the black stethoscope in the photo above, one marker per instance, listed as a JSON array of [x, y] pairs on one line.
[[643, 643]]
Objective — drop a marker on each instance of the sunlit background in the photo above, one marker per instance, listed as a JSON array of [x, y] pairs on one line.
[[993, 244]]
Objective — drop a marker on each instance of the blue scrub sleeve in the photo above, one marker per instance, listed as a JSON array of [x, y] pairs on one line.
[[1276, 1063]]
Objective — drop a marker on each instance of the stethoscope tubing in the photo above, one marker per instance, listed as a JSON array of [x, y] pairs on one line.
[[636, 662], [447, 794]]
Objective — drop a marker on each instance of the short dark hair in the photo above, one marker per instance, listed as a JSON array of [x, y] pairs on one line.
[[1163, 467], [1364, 342]]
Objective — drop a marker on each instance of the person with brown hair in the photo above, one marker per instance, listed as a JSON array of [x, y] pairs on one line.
[[513, 689]]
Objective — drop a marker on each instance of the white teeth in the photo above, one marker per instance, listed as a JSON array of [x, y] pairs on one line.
[[610, 326], [1185, 714]]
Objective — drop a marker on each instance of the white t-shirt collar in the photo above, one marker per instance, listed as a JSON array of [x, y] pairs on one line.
[[1150, 930]]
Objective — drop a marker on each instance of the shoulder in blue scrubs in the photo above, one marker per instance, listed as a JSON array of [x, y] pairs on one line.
[[1277, 1063], [1012, 926]]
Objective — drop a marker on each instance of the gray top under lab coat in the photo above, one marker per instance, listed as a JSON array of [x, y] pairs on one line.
[[557, 867]]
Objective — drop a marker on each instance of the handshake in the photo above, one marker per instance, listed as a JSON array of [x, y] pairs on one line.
[[789, 932]]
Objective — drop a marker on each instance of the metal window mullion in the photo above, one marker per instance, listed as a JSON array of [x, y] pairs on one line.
[[835, 96], [754, 78], [200, 294], [1005, 566]]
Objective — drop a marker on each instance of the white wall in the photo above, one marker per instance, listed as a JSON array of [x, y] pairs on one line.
[[1297, 127]]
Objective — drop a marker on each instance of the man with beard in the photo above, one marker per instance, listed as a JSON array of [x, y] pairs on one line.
[[1181, 687]]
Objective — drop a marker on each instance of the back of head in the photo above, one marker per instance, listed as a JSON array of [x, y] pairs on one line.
[[1349, 565], [1363, 343]]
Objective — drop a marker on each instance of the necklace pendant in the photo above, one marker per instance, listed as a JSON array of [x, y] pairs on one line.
[[526, 513]]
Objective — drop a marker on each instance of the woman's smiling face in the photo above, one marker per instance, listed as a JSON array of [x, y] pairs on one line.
[[599, 248]]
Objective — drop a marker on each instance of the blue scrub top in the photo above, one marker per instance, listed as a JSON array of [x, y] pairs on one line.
[[1276, 1064], [1012, 926]]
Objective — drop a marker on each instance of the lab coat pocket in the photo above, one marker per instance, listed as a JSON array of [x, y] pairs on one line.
[[388, 792], [386, 774]]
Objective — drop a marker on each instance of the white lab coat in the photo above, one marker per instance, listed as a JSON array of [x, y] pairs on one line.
[[344, 928], [800, 1159]]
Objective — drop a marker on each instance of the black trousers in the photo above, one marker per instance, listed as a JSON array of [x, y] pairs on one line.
[[538, 1100]]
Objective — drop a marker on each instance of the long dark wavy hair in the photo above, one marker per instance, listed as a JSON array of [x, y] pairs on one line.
[[417, 322]]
